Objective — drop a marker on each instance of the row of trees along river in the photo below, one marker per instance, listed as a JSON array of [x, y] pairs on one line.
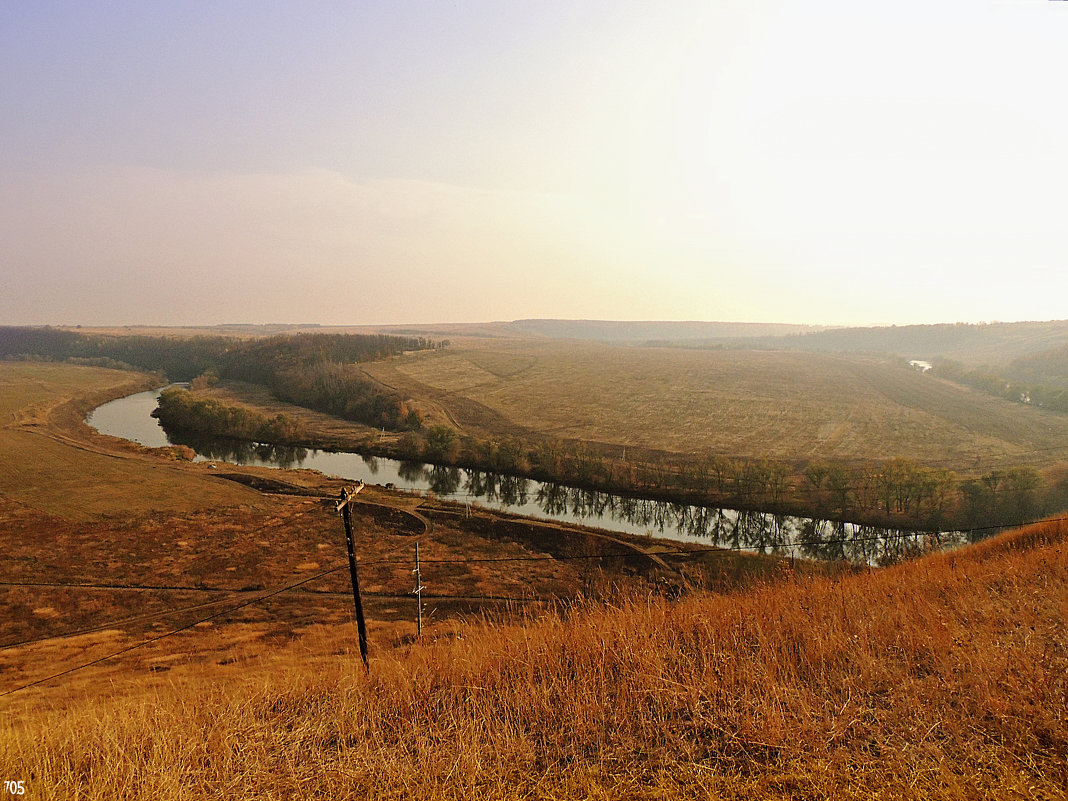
[[322, 371], [317, 371], [890, 492], [895, 492], [759, 531]]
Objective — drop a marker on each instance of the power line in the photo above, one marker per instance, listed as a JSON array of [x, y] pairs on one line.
[[268, 594], [380, 596], [114, 623], [164, 613], [172, 632], [710, 549], [118, 587], [715, 549], [478, 560]]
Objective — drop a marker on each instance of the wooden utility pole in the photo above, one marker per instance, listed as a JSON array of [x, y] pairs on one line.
[[343, 505], [418, 593]]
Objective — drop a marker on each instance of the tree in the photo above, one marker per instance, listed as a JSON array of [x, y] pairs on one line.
[[1021, 486], [441, 444], [840, 480]]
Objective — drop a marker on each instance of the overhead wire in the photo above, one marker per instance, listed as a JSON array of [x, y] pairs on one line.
[[269, 594], [164, 613], [264, 596], [114, 623], [133, 588], [710, 549]]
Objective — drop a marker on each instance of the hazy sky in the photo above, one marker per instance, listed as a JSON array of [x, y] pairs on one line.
[[825, 161]]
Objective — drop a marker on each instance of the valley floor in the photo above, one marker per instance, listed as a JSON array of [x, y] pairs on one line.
[[539, 676]]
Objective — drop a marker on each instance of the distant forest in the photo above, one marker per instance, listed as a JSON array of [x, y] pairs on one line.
[[318, 371], [971, 343], [1021, 362], [1038, 380]]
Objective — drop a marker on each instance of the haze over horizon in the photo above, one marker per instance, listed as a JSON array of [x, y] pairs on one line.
[[825, 163]]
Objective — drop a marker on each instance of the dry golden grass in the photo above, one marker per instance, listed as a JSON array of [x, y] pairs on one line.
[[51, 461], [943, 678], [150, 573], [787, 405], [152, 535]]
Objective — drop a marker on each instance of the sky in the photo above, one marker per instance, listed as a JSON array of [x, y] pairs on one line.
[[825, 162]]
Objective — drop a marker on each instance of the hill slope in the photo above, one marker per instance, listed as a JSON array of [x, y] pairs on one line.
[[942, 678], [972, 344], [756, 404]]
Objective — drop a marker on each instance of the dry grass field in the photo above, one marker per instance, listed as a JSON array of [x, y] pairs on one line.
[[53, 463], [156, 542], [785, 405], [944, 678]]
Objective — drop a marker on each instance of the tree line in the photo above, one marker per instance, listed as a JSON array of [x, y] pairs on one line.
[[321, 371], [1040, 380], [182, 409], [318, 371], [895, 492], [753, 530]]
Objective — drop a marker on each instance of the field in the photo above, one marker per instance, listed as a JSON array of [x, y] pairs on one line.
[[940, 678], [793, 406], [155, 542], [943, 678], [46, 468]]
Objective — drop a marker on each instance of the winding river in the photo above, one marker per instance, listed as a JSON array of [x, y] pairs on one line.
[[760, 532]]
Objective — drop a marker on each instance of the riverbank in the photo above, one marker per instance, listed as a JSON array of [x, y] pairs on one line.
[[109, 544], [893, 495]]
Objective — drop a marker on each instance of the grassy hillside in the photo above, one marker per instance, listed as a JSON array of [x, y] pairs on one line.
[[788, 405], [50, 460], [942, 678], [108, 544], [971, 344]]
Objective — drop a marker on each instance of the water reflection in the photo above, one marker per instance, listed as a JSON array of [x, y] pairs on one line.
[[755, 531], [410, 471], [761, 532], [749, 530], [240, 451], [444, 480], [498, 488]]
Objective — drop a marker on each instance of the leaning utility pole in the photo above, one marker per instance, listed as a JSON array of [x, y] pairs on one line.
[[418, 593], [342, 505]]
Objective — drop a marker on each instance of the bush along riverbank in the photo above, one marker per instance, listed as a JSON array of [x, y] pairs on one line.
[[895, 493], [316, 371], [182, 410]]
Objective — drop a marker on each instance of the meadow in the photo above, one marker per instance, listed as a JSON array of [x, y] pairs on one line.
[[53, 463], [544, 672], [114, 543], [787, 405], [942, 678]]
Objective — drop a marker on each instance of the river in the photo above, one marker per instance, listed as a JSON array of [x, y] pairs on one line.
[[130, 418]]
